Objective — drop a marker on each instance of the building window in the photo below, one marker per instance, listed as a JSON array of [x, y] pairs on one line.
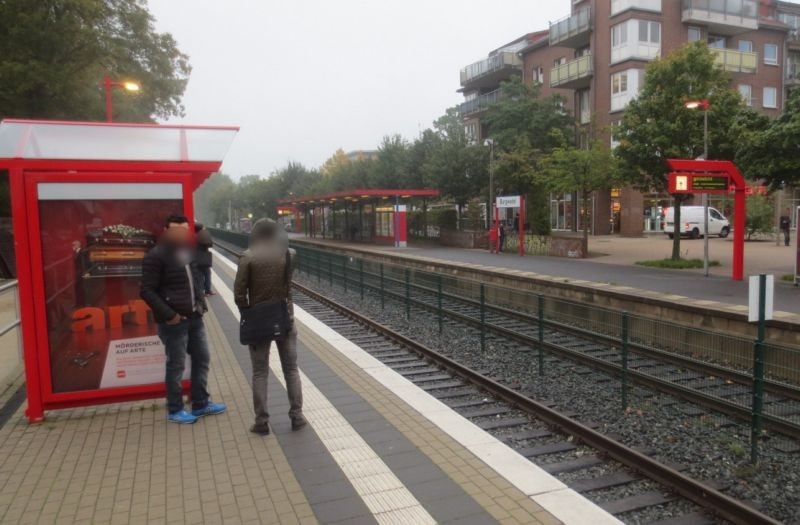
[[746, 45], [625, 86], [584, 106], [695, 34], [635, 39], [771, 54], [746, 91], [559, 61], [614, 131], [537, 75], [716, 41], [770, 99]]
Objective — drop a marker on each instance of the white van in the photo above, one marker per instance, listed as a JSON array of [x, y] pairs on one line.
[[692, 223]]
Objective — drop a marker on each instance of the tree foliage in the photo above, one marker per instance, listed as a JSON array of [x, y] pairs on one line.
[[56, 52], [656, 125]]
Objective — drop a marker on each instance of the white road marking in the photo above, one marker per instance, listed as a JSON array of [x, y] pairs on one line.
[[382, 492]]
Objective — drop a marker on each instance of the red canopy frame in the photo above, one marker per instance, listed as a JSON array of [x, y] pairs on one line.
[[726, 168], [59, 156]]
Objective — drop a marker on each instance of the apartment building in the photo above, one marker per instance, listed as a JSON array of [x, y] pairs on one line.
[[596, 57]]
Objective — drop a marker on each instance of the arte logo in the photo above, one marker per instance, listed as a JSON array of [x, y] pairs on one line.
[[97, 319]]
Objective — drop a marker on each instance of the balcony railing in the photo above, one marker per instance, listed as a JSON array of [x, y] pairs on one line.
[[580, 23], [496, 62], [479, 103], [740, 14], [792, 73], [567, 75], [736, 61]]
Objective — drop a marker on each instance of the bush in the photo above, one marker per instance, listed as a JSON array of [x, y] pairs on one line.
[[680, 264], [447, 219], [760, 216]]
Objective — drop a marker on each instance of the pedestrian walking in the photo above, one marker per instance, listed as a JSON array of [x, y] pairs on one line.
[[492, 239], [786, 225], [171, 284], [262, 291], [204, 258], [502, 237]]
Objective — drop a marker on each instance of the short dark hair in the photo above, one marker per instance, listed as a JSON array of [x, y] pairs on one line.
[[175, 219], [198, 226]]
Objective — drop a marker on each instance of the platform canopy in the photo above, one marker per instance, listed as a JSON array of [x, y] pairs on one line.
[[60, 140], [361, 194]]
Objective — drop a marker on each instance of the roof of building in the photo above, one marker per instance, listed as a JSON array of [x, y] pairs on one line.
[[361, 194]]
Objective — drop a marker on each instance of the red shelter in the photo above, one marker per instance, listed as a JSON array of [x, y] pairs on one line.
[[88, 201]]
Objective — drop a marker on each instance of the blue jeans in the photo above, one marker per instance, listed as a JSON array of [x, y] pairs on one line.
[[206, 271], [186, 337]]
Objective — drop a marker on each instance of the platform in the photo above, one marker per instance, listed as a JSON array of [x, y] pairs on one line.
[[377, 450]]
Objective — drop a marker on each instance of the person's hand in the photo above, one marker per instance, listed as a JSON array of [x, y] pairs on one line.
[[175, 320]]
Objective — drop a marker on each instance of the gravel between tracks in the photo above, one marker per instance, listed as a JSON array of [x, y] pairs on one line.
[[708, 446]]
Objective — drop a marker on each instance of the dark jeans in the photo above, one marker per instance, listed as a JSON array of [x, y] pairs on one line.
[[186, 337], [786, 236], [206, 272], [287, 352]]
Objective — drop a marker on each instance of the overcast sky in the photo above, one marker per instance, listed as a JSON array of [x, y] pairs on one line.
[[305, 77]]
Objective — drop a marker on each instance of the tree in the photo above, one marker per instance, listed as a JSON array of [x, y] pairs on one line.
[[656, 125], [760, 217], [583, 170], [55, 53], [522, 124], [773, 154]]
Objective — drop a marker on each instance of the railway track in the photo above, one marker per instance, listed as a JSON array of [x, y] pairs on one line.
[[718, 388], [626, 482]]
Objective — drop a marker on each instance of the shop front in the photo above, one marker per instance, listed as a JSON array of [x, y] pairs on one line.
[[88, 201]]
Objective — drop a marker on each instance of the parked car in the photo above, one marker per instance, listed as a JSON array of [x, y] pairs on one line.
[[692, 224]]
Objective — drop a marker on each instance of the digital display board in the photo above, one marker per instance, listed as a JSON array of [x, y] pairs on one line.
[[710, 183]]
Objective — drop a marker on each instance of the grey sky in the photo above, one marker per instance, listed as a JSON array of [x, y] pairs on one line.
[[305, 77]]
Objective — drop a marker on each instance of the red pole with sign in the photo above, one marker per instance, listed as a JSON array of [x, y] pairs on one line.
[[521, 226]]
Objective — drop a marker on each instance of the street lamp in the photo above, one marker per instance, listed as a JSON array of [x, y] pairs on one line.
[[108, 84], [490, 143], [704, 105]]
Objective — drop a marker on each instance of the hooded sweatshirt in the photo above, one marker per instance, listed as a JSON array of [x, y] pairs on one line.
[[262, 275]]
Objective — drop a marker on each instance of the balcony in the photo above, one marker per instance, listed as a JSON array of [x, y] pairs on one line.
[[736, 61], [572, 31], [792, 74], [575, 74], [620, 6], [491, 71], [479, 104], [723, 17]]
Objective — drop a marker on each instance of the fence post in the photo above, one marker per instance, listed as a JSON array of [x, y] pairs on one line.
[[408, 293], [382, 300], [361, 277], [483, 319], [758, 371], [439, 303], [344, 272], [625, 336], [541, 334]]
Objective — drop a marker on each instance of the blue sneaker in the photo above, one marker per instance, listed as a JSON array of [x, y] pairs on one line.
[[182, 417], [211, 409]]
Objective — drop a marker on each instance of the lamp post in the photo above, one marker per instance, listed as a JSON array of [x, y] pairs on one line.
[[108, 84], [704, 105], [490, 143]]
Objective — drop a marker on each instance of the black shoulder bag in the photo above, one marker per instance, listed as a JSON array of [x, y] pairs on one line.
[[269, 320]]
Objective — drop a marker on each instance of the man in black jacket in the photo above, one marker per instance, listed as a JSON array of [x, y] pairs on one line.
[[172, 288], [204, 244]]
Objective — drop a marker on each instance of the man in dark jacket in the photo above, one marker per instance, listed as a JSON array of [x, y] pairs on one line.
[[171, 286], [204, 243], [786, 225], [263, 276]]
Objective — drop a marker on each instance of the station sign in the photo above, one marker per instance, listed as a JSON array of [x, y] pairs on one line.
[[508, 201], [689, 182]]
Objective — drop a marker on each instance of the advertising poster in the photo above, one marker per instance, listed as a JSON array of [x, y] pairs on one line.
[[100, 333]]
